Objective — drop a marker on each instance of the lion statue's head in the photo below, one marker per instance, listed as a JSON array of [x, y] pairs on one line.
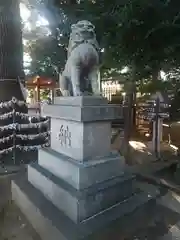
[[82, 32]]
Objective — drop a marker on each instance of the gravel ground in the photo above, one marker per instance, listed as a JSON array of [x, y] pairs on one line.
[[15, 226], [164, 225], [12, 224]]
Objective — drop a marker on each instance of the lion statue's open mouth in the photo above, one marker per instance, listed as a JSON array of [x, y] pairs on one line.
[[80, 76]]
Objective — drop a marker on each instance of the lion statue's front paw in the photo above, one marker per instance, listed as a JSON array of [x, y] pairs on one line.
[[65, 93], [79, 94]]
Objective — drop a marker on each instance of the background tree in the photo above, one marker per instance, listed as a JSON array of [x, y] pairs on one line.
[[135, 31], [48, 57], [141, 34], [45, 32]]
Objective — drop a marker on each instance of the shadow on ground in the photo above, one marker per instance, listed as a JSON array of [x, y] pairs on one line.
[[13, 225], [161, 226], [161, 221]]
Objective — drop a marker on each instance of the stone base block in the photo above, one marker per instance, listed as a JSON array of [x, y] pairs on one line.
[[81, 141], [81, 175], [81, 101], [81, 126], [80, 205], [50, 223], [83, 109]]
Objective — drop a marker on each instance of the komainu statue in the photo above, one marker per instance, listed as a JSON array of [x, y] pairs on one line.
[[80, 76]]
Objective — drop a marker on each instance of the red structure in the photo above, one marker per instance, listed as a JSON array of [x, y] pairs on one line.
[[37, 83]]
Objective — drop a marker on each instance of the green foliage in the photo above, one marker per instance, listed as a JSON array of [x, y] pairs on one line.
[[148, 86], [139, 33], [45, 94], [48, 56], [175, 109]]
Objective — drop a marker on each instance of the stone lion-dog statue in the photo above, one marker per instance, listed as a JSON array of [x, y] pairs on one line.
[[80, 76]]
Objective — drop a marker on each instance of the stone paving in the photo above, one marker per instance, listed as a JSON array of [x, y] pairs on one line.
[[15, 226], [164, 225], [12, 224]]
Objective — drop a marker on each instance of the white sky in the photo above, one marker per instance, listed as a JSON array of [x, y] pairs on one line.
[[26, 13]]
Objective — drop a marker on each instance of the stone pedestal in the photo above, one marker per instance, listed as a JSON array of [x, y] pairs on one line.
[[78, 178]]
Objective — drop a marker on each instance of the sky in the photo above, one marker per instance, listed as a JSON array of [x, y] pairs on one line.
[[26, 13], [41, 22]]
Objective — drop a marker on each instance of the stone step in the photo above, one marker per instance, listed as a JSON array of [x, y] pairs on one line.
[[78, 174], [50, 223], [79, 205]]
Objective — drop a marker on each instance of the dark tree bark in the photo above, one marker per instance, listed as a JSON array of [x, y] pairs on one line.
[[11, 50], [11, 71], [128, 126], [155, 75]]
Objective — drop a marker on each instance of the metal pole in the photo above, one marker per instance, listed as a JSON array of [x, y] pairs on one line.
[[14, 136], [157, 106]]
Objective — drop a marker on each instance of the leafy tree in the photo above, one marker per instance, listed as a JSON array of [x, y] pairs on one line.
[[48, 57], [141, 34], [48, 50], [175, 109], [133, 32]]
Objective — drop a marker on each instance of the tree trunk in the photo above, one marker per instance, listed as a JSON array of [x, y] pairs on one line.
[[11, 71], [11, 50], [155, 74], [129, 115], [14, 139], [134, 104]]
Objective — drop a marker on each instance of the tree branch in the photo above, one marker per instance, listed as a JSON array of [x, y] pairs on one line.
[[160, 26]]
